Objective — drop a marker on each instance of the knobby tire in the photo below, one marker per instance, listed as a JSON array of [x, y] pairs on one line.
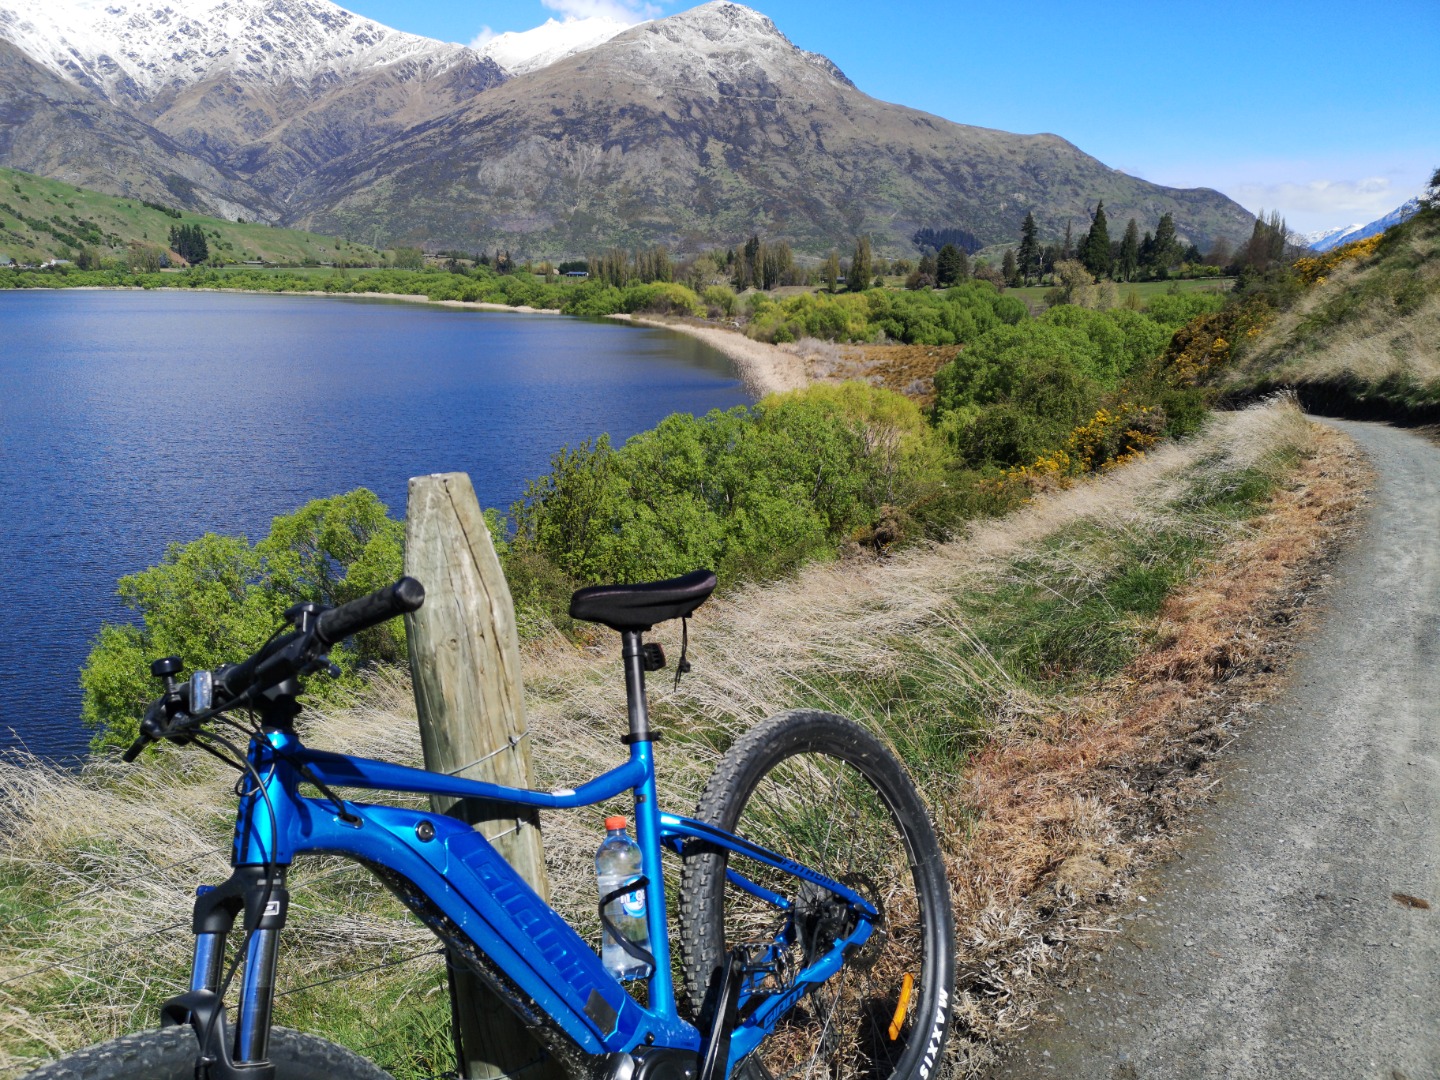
[[826, 792], [169, 1054]]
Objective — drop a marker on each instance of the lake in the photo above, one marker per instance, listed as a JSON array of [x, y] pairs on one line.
[[131, 420]]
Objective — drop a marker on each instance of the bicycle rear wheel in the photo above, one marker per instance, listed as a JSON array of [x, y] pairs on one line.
[[169, 1054], [826, 793]]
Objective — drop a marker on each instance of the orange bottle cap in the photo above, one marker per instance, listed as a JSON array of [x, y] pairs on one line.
[[616, 822]]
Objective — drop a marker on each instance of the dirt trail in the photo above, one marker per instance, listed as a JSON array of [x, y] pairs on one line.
[[1275, 946]]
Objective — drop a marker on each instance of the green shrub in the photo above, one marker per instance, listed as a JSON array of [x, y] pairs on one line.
[[750, 492], [216, 599], [1174, 310], [661, 298], [720, 299], [593, 299]]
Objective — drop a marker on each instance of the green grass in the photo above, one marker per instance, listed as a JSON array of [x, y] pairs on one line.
[[940, 659], [1053, 622], [44, 219], [1364, 340], [1034, 295]]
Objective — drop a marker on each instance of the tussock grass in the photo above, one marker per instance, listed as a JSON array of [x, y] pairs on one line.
[[961, 655], [1370, 330]]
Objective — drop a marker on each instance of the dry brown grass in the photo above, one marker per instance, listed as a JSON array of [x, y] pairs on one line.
[[1373, 343], [906, 369], [1066, 790], [1065, 811]]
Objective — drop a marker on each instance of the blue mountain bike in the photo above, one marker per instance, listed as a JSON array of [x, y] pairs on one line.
[[814, 925]]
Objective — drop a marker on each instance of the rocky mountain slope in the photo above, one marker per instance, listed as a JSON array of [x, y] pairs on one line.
[[52, 127], [266, 89], [702, 127], [693, 130]]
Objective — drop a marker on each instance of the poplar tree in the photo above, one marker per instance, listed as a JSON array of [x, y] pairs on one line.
[[831, 273], [1029, 254], [860, 267], [1095, 253], [1010, 268], [1067, 247]]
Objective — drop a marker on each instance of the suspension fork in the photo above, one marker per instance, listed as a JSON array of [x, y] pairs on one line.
[[264, 902]]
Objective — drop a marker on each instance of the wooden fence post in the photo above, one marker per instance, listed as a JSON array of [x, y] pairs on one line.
[[465, 659]]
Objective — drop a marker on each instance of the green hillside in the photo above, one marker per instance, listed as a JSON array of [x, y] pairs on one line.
[[1361, 331], [44, 219]]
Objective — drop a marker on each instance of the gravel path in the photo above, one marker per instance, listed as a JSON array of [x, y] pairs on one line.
[[1274, 945]]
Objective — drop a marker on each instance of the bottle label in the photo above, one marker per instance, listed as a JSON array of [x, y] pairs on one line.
[[633, 902]]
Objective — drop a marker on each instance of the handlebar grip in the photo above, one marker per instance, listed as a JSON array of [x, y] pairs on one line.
[[404, 596], [135, 748]]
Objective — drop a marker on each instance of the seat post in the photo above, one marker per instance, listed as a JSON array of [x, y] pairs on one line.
[[635, 685]]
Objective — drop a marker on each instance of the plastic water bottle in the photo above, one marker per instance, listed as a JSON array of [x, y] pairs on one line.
[[617, 863]]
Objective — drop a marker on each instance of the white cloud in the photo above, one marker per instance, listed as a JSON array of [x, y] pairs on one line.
[[1311, 193], [623, 13], [1342, 201], [626, 11]]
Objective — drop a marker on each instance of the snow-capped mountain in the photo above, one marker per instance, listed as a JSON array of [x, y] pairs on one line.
[[696, 129], [521, 51], [264, 90], [691, 130], [1325, 239], [138, 49], [1333, 238]]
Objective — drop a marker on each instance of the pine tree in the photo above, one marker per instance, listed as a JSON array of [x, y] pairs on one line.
[[1095, 252], [188, 241], [1029, 254], [1147, 252], [1167, 247], [1130, 251], [947, 266], [925, 273]]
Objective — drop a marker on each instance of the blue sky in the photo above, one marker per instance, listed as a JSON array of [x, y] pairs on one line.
[[1327, 111]]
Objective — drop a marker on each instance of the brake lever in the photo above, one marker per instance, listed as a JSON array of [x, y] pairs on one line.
[[151, 730]]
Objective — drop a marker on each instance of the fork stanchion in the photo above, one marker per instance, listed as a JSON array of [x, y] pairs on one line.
[[465, 660]]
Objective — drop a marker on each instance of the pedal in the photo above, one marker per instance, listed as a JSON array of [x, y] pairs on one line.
[[720, 1013]]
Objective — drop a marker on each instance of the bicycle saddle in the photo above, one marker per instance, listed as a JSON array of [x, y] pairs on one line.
[[639, 607]]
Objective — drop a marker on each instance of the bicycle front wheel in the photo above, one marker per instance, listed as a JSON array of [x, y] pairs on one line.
[[169, 1054], [825, 792]]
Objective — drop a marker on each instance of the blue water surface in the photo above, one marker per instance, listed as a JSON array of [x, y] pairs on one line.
[[131, 420]]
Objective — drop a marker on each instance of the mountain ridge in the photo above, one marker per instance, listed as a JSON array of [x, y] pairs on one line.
[[1329, 239], [693, 130], [703, 127]]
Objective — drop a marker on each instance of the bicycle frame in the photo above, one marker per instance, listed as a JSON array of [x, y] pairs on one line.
[[456, 882]]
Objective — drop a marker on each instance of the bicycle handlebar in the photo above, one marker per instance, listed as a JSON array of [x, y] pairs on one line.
[[290, 654], [405, 596]]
